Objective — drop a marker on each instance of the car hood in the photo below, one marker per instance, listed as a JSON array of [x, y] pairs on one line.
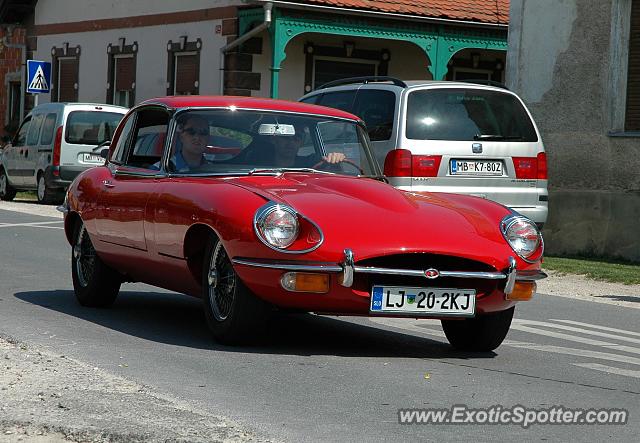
[[373, 218]]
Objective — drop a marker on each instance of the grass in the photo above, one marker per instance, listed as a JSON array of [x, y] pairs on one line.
[[596, 269], [26, 196]]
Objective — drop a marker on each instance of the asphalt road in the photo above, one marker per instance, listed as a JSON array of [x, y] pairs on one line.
[[326, 378]]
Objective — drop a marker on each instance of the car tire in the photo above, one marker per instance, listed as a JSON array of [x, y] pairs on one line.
[[94, 283], [45, 194], [7, 192], [480, 334], [234, 314]]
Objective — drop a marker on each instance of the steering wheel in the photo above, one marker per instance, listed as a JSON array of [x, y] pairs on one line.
[[320, 165]]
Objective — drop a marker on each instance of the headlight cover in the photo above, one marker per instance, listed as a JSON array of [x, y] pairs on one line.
[[523, 236], [276, 225]]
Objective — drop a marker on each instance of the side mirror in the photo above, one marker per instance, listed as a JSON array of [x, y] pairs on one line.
[[104, 153]]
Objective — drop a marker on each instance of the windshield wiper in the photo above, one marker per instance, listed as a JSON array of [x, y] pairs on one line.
[[496, 137], [278, 171]]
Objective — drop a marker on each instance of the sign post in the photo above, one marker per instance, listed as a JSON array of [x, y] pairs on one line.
[[38, 78]]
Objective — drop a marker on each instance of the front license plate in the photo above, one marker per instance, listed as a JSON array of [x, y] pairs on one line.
[[423, 301], [476, 167], [92, 158]]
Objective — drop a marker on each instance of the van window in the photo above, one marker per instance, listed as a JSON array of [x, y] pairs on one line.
[[377, 108], [467, 115], [48, 128], [21, 136], [34, 131], [340, 100], [91, 127]]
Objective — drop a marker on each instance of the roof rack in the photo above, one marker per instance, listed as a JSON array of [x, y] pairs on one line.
[[365, 80], [483, 81]]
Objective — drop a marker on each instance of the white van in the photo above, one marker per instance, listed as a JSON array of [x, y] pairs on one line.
[[442, 136], [54, 143]]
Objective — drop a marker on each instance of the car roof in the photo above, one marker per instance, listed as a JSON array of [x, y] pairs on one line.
[[266, 104], [410, 85], [81, 105]]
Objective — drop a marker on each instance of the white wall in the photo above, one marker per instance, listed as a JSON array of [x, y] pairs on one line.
[[64, 11], [151, 65]]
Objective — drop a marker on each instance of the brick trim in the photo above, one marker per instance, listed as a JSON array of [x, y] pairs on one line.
[[199, 15]]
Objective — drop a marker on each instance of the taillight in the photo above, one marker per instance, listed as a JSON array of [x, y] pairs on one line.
[[542, 166], [426, 165], [531, 168], [398, 163], [56, 147]]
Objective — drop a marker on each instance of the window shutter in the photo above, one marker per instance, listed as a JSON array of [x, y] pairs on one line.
[[186, 74], [67, 78], [124, 73], [632, 117]]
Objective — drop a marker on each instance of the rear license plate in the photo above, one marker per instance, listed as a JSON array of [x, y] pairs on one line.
[[92, 158], [423, 301], [476, 167]]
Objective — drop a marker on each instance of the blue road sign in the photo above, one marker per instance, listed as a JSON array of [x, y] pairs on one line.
[[39, 77]]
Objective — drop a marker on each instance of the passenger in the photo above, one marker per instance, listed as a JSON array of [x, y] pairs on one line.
[[191, 144]]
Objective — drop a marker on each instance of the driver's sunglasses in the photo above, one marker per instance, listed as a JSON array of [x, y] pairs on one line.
[[193, 131]]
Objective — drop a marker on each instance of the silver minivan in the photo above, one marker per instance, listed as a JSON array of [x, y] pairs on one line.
[[442, 136], [54, 143]]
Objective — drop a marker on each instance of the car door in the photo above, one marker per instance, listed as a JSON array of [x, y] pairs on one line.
[[14, 154], [133, 181], [30, 158]]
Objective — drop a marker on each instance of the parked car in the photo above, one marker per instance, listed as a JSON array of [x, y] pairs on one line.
[[441, 136], [54, 143], [248, 233]]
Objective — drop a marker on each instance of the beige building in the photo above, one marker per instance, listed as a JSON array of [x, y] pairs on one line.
[[124, 51]]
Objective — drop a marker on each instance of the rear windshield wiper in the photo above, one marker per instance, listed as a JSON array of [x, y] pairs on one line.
[[496, 137]]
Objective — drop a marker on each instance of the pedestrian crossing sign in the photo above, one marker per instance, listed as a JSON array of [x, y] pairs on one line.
[[38, 77]]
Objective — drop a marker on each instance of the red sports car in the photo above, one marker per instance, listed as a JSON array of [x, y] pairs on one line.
[[255, 204]]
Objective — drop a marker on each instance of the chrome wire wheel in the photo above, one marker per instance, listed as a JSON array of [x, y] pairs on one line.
[[3, 184], [85, 257], [222, 283]]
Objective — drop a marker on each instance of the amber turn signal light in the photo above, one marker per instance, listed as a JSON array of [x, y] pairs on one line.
[[305, 282], [523, 291]]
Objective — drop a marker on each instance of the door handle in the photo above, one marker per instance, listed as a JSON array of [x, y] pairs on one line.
[[108, 184]]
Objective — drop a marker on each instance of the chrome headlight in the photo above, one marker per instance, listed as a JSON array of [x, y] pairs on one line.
[[276, 225], [523, 236]]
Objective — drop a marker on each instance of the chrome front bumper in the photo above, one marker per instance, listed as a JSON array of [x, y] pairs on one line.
[[348, 269]]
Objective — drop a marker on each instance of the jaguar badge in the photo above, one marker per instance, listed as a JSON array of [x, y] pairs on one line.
[[431, 273]]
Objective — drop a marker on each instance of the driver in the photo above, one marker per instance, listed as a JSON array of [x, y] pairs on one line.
[[193, 134], [286, 149]]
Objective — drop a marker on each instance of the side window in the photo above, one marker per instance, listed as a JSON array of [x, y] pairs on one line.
[[313, 100], [34, 130], [21, 137], [48, 128], [340, 100], [123, 141], [148, 138], [377, 109]]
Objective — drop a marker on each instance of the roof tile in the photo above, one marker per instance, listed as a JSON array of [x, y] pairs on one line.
[[484, 11]]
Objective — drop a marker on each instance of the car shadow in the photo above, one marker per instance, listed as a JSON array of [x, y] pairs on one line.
[[631, 298], [178, 320]]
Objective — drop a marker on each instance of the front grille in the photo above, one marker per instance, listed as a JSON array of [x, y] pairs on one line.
[[365, 282]]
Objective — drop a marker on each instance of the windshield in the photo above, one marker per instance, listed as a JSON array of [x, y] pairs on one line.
[[91, 127], [242, 141], [467, 115]]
